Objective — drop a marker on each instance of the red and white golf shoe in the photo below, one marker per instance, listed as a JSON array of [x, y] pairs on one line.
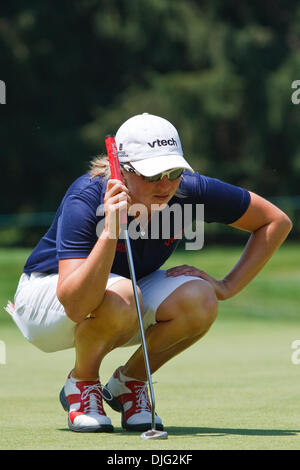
[[130, 397], [83, 401]]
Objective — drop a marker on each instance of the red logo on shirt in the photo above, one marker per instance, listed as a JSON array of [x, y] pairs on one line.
[[173, 239], [121, 247]]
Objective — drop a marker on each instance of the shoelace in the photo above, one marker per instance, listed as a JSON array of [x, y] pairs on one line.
[[142, 403], [92, 398]]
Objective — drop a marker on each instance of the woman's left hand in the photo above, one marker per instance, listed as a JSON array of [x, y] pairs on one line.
[[220, 287]]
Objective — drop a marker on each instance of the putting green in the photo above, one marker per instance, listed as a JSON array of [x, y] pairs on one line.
[[236, 389]]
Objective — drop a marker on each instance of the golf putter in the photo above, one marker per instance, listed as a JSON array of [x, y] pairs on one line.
[[116, 174]]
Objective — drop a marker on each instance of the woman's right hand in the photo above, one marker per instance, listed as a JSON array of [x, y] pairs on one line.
[[116, 203]]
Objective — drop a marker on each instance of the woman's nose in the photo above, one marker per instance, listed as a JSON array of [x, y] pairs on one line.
[[164, 181]]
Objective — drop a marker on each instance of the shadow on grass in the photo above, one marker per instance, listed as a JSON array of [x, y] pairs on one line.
[[204, 432], [216, 432]]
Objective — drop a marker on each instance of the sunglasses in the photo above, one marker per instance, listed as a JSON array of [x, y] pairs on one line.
[[170, 174]]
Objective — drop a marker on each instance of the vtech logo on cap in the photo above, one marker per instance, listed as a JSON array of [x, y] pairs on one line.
[[162, 142]]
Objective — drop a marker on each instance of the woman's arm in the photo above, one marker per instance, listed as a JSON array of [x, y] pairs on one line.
[[82, 282], [269, 226]]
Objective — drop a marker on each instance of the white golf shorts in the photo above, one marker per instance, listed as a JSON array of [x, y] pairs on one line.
[[43, 321]]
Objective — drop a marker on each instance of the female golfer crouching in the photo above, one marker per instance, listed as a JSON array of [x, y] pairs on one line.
[[76, 291]]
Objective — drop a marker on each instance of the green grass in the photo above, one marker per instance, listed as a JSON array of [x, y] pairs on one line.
[[236, 389]]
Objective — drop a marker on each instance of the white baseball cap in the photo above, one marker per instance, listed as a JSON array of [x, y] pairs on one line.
[[151, 144]]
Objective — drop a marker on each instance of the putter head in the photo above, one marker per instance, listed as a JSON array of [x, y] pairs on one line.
[[154, 434]]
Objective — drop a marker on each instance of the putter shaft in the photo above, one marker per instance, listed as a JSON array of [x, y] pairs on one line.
[[137, 302]]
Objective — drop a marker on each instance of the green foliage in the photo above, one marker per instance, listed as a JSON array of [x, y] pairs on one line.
[[220, 71]]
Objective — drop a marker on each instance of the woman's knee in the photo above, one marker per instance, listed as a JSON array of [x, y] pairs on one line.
[[118, 309], [194, 304]]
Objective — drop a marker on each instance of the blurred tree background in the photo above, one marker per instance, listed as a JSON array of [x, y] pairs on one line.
[[220, 71]]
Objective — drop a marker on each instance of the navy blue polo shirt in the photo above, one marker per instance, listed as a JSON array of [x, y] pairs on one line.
[[75, 230]]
